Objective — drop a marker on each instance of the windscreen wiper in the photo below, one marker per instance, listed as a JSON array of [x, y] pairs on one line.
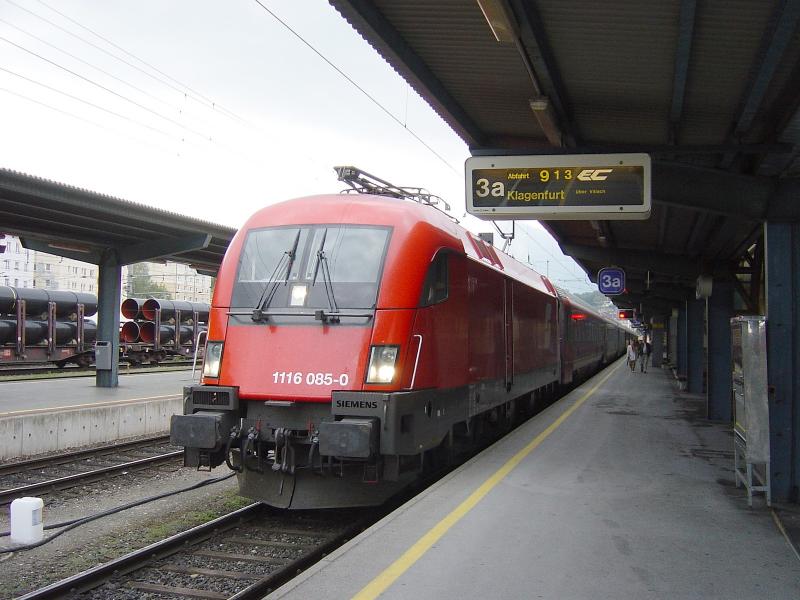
[[322, 261], [268, 294]]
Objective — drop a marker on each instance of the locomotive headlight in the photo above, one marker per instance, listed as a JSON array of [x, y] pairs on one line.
[[382, 360], [213, 359]]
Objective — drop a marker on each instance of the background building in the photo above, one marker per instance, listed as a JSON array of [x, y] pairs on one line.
[[57, 273], [172, 281], [16, 263], [24, 268]]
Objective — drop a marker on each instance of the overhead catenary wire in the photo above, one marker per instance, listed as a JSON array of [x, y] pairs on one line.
[[558, 261], [107, 89], [88, 64], [87, 121], [86, 102], [546, 251], [183, 141], [183, 90], [211, 102], [247, 126], [121, 54], [96, 106], [509, 237], [205, 138], [358, 87]]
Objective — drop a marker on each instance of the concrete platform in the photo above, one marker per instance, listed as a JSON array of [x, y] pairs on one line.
[[620, 490], [46, 415], [31, 394]]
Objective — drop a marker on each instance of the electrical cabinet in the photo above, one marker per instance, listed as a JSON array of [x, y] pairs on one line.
[[750, 405], [102, 355]]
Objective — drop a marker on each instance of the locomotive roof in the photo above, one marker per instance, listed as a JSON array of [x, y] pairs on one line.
[[399, 213]]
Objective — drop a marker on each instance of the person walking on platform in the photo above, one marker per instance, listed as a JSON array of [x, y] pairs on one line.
[[632, 355], [644, 355]]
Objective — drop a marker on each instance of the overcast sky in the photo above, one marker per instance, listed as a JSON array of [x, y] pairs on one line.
[[215, 108]]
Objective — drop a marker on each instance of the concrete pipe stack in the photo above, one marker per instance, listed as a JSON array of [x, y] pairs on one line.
[[38, 309], [177, 321]]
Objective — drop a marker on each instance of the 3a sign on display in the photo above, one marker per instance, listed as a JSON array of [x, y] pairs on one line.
[[611, 281], [565, 186]]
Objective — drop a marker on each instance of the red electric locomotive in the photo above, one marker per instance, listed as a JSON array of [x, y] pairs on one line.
[[354, 338]]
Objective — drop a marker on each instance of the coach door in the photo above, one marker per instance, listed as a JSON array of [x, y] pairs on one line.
[[566, 342], [508, 331]]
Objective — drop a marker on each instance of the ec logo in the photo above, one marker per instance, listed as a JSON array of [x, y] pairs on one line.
[[594, 174]]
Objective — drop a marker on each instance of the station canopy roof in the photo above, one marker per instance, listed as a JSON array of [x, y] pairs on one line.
[[709, 89], [76, 223]]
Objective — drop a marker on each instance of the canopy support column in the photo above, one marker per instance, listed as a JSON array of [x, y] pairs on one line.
[[720, 311], [657, 338], [109, 296], [782, 262], [695, 328], [682, 345], [672, 338]]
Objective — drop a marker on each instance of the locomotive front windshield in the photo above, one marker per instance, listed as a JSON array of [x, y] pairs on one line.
[[305, 266]]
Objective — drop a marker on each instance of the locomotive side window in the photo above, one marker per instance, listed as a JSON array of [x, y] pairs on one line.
[[435, 288]]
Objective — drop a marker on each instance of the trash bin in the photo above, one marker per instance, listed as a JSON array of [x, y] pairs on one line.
[[102, 355]]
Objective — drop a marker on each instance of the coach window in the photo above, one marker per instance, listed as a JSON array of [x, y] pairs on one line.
[[435, 288]]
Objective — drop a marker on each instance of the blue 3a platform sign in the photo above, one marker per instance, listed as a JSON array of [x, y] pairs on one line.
[[611, 281]]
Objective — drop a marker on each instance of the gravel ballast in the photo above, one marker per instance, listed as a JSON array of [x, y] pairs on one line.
[[118, 534]]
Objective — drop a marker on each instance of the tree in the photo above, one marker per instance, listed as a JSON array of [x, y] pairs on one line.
[[593, 298]]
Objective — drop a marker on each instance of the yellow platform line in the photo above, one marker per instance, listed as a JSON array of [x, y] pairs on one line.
[[786, 536], [382, 582]]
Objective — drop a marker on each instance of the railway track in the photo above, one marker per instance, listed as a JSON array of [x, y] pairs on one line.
[[239, 556], [53, 473]]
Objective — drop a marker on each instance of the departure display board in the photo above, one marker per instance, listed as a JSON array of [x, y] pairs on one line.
[[569, 187]]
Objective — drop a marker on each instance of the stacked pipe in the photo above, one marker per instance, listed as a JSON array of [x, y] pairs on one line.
[[36, 315], [142, 324]]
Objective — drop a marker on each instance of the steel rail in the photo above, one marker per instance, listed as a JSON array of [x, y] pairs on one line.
[[68, 481], [188, 540], [277, 578], [38, 463], [125, 565], [130, 562]]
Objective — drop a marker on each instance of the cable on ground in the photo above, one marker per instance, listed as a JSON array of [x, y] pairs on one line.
[[68, 525]]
